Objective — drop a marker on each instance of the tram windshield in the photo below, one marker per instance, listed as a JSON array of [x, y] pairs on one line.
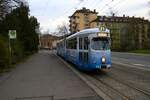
[[100, 44]]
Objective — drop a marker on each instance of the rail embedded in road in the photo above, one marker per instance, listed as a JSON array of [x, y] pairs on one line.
[[115, 88]]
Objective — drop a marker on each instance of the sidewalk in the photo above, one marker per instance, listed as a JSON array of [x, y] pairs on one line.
[[44, 77]]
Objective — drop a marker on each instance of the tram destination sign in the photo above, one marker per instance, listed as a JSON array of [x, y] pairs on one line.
[[102, 34]]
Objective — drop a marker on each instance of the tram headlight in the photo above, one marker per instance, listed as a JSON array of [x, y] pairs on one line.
[[103, 59]]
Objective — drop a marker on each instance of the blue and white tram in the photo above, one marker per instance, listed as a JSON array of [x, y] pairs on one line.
[[88, 49]]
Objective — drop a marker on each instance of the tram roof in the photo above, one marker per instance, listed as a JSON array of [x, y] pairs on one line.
[[87, 32]]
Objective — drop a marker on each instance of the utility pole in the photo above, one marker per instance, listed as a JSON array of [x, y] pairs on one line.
[[9, 44]]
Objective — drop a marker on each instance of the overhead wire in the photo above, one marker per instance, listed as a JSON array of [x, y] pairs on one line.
[[106, 5], [119, 8], [84, 4], [73, 8], [68, 10], [114, 6], [111, 8], [95, 3]]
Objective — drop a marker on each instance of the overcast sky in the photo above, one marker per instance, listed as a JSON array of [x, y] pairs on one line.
[[51, 13]]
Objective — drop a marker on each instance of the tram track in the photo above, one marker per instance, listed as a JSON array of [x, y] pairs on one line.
[[136, 92], [136, 80], [106, 89], [123, 89], [114, 94], [132, 70], [132, 86], [112, 87]]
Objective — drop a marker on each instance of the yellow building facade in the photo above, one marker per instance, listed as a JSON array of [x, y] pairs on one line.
[[81, 19]]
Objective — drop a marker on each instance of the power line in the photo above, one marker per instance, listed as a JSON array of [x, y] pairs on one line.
[[114, 6], [84, 3], [96, 3], [66, 11], [111, 8], [118, 9], [74, 7], [106, 5]]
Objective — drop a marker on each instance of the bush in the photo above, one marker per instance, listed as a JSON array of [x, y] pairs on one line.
[[4, 54], [17, 51]]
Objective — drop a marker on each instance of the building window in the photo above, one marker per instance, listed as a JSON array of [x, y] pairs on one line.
[[97, 24], [86, 20], [105, 19], [77, 17], [112, 19], [86, 25], [85, 14], [101, 18]]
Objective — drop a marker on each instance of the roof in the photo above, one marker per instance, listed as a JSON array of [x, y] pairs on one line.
[[84, 10], [87, 32], [119, 19]]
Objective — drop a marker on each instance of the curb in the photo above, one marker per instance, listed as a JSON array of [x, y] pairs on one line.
[[90, 84]]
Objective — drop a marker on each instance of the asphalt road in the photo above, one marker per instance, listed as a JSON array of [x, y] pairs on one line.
[[135, 60], [44, 77]]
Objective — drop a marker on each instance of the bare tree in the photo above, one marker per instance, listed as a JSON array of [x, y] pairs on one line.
[[7, 5], [46, 32], [62, 30]]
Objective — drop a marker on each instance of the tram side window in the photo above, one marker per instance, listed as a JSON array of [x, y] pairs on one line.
[[80, 43], [72, 44], [86, 43]]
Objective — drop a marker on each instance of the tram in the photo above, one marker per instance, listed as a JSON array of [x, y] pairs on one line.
[[88, 49]]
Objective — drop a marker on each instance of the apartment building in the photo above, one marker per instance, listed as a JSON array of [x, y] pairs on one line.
[[81, 19], [126, 32]]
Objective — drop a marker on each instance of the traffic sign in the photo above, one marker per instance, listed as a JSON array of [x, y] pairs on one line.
[[12, 34], [102, 28]]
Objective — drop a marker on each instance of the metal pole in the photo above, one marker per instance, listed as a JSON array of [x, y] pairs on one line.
[[9, 43]]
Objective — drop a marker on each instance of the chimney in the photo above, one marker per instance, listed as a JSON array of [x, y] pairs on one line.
[[83, 8], [132, 16], [113, 14], [94, 10], [124, 15]]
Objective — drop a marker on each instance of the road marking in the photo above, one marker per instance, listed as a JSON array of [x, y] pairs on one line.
[[127, 65], [138, 64], [136, 54], [90, 84]]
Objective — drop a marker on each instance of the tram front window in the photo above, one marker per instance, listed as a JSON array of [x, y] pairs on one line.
[[100, 44]]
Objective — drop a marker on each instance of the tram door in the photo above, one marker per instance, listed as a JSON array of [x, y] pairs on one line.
[[83, 50]]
